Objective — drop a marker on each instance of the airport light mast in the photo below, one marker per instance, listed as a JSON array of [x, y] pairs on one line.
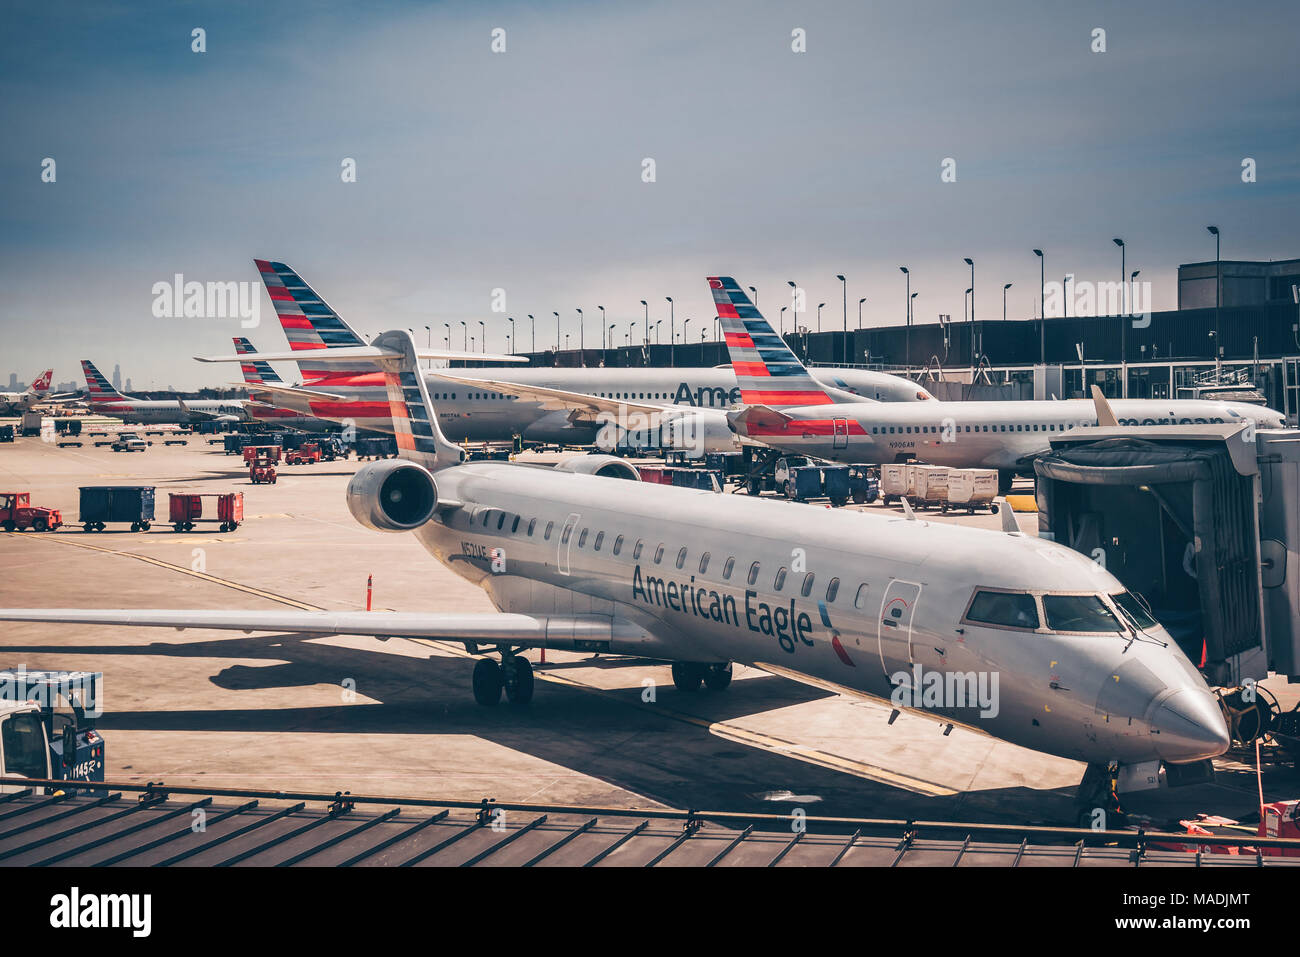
[[672, 333], [482, 342], [1004, 300], [1218, 285], [647, 322], [860, 302], [533, 324], [464, 326], [513, 343], [582, 339], [557, 329], [844, 289], [1042, 307]]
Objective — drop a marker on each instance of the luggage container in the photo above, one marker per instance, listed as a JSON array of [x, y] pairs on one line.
[[863, 485], [897, 480], [695, 478], [836, 485], [930, 486], [186, 508], [116, 503], [972, 489]]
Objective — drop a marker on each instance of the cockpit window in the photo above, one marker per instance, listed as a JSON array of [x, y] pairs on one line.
[[1133, 608], [1008, 609], [1079, 613]]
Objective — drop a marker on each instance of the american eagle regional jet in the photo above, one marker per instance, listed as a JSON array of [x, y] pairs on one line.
[[578, 558]]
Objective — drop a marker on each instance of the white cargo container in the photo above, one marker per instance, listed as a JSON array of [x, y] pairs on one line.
[[930, 485], [971, 489], [897, 480]]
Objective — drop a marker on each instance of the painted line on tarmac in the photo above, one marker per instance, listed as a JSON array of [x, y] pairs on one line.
[[722, 729]]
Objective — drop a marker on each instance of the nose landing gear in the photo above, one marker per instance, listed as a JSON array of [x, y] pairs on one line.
[[687, 675]]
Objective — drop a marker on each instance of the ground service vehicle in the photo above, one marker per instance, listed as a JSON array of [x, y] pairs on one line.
[[17, 513], [864, 487], [36, 741], [129, 442], [306, 454], [6, 433], [261, 461], [116, 503], [32, 423], [186, 508]]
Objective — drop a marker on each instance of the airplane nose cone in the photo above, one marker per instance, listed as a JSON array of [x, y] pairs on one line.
[[1188, 726]]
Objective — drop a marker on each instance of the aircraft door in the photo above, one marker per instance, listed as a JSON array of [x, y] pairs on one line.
[[841, 433], [895, 625], [566, 542]]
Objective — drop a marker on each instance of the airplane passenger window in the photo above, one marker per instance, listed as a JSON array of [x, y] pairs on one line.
[[1007, 609], [564, 538], [832, 590], [532, 524], [547, 535], [487, 513], [636, 552], [1079, 613], [753, 573], [659, 553], [618, 544], [514, 526], [779, 582], [582, 539], [704, 563], [726, 569], [600, 537], [501, 522], [860, 599], [681, 557], [807, 585]]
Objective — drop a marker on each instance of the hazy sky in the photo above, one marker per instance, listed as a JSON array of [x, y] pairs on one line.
[[522, 170]]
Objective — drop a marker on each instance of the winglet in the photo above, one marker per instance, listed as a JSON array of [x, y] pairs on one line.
[[1010, 524], [1105, 414]]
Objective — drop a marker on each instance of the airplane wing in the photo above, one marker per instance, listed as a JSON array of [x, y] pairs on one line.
[[558, 399], [757, 415], [351, 353], [526, 630], [295, 391]]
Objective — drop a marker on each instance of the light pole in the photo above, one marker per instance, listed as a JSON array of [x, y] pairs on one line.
[[582, 339], [557, 329], [686, 325], [781, 321], [658, 323], [513, 343], [1218, 285], [447, 326], [482, 342], [794, 306], [820, 307], [911, 311], [970, 262], [907, 301], [429, 330], [647, 321], [609, 337], [1004, 300], [532, 323], [1042, 307], [464, 328], [672, 333], [965, 303], [844, 292], [860, 302], [631, 326], [602, 319], [1123, 298]]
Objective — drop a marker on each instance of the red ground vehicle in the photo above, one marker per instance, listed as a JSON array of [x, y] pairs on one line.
[[306, 454], [186, 508], [261, 461], [17, 513]]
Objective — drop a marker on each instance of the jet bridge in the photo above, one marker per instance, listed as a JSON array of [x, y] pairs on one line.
[[1202, 521]]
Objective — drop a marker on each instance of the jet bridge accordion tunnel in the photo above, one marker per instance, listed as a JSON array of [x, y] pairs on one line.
[[1199, 521]]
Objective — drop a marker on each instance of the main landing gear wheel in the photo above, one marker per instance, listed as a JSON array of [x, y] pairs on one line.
[[687, 675], [717, 677], [518, 680], [487, 682]]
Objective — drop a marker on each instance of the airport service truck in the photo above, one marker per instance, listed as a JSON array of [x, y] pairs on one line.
[[37, 739]]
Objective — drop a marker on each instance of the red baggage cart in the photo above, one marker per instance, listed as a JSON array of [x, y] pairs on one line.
[[186, 508]]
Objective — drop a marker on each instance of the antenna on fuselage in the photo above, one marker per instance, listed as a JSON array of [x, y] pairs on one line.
[[907, 510]]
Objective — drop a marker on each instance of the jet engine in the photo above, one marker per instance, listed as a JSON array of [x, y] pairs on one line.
[[610, 466], [392, 495]]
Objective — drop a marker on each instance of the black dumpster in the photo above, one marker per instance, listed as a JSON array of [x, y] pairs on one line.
[[116, 503]]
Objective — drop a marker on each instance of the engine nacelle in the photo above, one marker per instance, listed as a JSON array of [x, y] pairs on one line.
[[392, 495], [610, 466]]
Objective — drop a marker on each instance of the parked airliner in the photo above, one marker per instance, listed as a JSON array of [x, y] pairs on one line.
[[103, 399], [574, 559], [14, 403], [788, 410]]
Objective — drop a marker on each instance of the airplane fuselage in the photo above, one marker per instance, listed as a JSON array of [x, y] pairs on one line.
[[168, 411], [1002, 435], [708, 577]]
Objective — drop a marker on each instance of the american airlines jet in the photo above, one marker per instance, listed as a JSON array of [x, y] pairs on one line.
[[106, 400], [561, 405], [574, 559], [788, 410], [262, 407]]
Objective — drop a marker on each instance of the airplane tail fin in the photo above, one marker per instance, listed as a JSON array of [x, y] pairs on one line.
[[256, 372], [767, 372], [42, 382], [415, 422], [98, 387], [310, 324]]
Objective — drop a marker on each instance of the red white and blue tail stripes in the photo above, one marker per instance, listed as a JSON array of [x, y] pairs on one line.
[[767, 372], [103, 397], [256, 371]]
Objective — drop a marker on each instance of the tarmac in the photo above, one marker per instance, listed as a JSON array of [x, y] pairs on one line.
[[396, 717]]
